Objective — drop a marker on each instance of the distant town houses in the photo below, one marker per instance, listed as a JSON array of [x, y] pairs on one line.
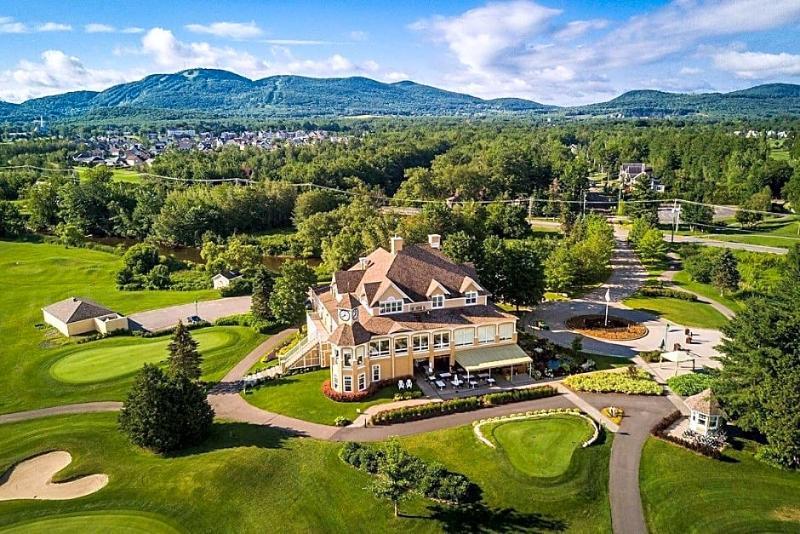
[[115, 149], [769, 134]]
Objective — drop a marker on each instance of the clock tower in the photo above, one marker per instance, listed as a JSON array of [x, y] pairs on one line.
[[348, 309]]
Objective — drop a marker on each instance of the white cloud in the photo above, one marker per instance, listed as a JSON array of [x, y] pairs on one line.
[[57, 72], [577, 28], [758, 65], [232, 30], [9, 25], [133, 29], [96, 27], [53, 27], [395, 76], [689, 71], [358, 35]]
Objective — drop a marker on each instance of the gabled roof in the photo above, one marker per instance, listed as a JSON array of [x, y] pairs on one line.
[[76, 309], [230, 275]]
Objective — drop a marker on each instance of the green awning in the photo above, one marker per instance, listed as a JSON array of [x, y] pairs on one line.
[[483, 358]]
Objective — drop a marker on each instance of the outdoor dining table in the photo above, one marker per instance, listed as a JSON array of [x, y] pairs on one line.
[[473, 383], [440, 384], [431, 378], [491, 380], [445, 375], [456, 382]]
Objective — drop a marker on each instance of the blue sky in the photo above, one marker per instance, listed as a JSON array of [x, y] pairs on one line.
[[551, 51]]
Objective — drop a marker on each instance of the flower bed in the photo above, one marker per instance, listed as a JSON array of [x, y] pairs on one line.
[[632, 382], [476, 426], [618, 329], [660, 431], [358, 396], [466, 404]]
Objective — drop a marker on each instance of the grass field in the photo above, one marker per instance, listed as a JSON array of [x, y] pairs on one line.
[[782, 232], [683, 279], [118, 175], [37, 274], [121, 357], [778, 150], [683, 312], [301, 396], [247, 478], [540, 447], [683, 492]]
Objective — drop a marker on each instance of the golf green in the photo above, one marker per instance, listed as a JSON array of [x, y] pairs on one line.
[[116, 357], [541, 447], [122, 522]]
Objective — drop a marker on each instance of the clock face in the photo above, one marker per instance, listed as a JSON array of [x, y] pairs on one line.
[[344, 315]]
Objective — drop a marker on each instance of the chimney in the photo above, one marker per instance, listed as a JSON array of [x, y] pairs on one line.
[[363, 262], [434, 240], [397, 244]]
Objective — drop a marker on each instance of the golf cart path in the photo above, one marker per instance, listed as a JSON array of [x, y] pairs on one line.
[[727, 244], [65, 409], [208, 310]]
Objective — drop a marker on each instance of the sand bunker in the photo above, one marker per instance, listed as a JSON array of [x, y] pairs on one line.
[[32, 479]]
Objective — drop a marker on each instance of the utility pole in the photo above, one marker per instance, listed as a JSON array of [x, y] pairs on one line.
[[584, 203], [674, 219]]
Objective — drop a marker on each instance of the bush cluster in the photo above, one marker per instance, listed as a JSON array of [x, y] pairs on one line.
[[466, 404], [633, 382], [660, 431], [433, 481], [358, 396], [657, 291], [689, 384], [650, 356]]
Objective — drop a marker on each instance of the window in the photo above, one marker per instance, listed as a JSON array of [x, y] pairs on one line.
[[471, 297], [420, 343], [391, 306], [348, 383], [437, 301], [378, 348], [464, 336], [486, 334], [714, 423], [362, 382], [335, 382], [441, 340], [701, 418], [335, 356], [506, 331], [400, 345], [376, 373], [347, 356], [360, 356]]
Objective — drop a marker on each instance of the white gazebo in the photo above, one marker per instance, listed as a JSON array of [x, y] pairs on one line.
[[678, 357], [706, 415]]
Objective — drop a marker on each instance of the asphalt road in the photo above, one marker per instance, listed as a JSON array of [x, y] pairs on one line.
[[209, 310]]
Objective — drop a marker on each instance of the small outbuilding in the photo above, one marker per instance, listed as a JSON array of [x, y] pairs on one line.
[[225, 278], [75, 316], [706, 415]]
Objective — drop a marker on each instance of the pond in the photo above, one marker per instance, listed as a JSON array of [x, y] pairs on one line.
[[273, 263]]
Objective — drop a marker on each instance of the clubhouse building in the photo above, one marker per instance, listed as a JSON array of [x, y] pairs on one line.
[[405, 308]]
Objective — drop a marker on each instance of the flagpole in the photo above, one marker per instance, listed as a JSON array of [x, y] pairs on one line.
[[608, 299]]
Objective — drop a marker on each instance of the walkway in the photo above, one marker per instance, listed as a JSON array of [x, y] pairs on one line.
[[726, 244], [66, 409], [641, 414], [208, 310], [668, 276]]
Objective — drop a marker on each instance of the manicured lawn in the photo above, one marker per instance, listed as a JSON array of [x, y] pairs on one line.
[[118, 175], [540, 447], [608, 362], [251, 478], [576, 500], [113, 358], [683, 279], [301, 396], [780, 232], [683, 312], [37, 274], [685, 492]]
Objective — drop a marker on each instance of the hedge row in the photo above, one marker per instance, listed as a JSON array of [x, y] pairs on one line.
[[358, 396], [660, 431], [656, 291], [466, 404]]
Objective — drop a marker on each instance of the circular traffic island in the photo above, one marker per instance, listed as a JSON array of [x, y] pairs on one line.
[[617, 329]]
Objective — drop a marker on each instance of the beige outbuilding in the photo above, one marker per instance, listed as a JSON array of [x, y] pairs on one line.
[[706, 415], [75, 316]]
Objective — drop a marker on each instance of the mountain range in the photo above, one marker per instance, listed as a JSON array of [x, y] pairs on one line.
[[209, 93]]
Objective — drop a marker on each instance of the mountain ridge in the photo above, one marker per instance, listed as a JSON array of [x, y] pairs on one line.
[[224, 94]]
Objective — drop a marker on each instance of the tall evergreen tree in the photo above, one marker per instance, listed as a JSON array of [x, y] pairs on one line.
[[263, 284], [184, 359], [726, 272]]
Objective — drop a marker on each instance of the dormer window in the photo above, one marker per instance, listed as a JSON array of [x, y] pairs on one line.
[[391, 305], [470, 298], [437, 301]]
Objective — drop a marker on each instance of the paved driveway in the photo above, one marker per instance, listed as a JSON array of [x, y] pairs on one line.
[[209, 310]]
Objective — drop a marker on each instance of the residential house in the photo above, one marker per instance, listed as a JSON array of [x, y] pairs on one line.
[[224, 278], [400, 309]]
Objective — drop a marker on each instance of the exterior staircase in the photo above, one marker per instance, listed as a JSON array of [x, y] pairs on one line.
[[304, 354]]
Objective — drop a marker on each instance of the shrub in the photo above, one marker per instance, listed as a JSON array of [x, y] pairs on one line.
[[242, 319], [465, 404], [634, 382], [189, 280], [655, 291], [237, 288], [689, 384], [650, 356], [361, 456], [341, 421]]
